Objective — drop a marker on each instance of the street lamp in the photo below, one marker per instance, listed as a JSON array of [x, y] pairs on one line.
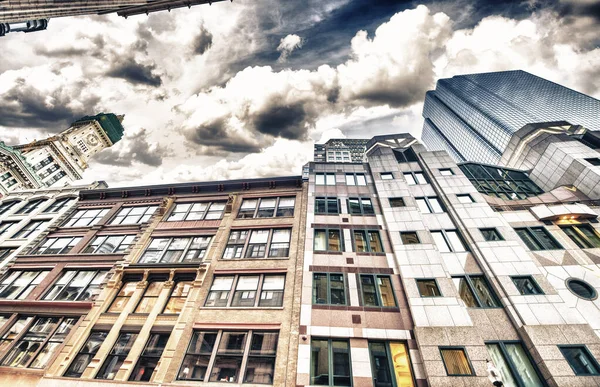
[[493, 374]]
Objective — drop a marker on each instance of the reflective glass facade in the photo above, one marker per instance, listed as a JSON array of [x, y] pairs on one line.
[[474, 116], [507, 184]]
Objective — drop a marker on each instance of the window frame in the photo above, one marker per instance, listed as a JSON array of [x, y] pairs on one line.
[[327, 230], [7, 275], [5, 252], [30, 206], [144, 296], [330, 362], [575, 228], [135, 282], [397, 199], [143, 356], [121, 356], [258, 292], [377, 290], [493, 230], [464, 351], [587, 352], [177, 281], [90, 245], [103, 211], [437, 286], [366, 234], [58, 205], [276, 207], [535, 285], [148, 212], [466, 196], [327, 200], [428, 200], [10, 224], [512, 367], [388, 176], [245, 245], [444, 172], [328, 286], [97, 272], [188, 247], [404, 233], [26, 231], [390, 360], [354, 177], [326, 177], [533, 235], [414, 175], [65, 250], [6, 206], [448, 242], [471, 286], [91, 355], [361, 206], [187, 212]]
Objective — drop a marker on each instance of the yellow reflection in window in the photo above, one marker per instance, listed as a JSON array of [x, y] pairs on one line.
[[401, 365]]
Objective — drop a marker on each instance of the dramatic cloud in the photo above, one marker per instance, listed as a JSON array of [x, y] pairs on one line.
[[134, 147], [136, 73], [203, 41], [287, 45]]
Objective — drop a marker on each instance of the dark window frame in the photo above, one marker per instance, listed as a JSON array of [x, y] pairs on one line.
[[8, 274], [149, 356], [471, 286], [258, 291], [8, 205], [512, 367], [588, 354], [469, 196], [65, 250], [437, 286], [205, 212], [80, 214], [199, 253], [59, 204], [386, 174], [492, 230], [92, 248], [326, 176], [583, 241], [327, 203], [69, 372], [443, 172], [537, 289], [30, 206], [377, 290], [366, 234], [464, 350], [121, 356], [361, 207], [328, 286], [398, 200], [330, 356], [448, 241], [276, 208], [245, 245], [540, 244], [327, 230], [27, 230], [97, 272], [412, 233]]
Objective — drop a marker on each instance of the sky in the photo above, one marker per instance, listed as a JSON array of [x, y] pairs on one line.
[[245, 88]]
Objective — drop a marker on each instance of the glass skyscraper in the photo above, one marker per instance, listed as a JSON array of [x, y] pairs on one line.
[[474, 116]]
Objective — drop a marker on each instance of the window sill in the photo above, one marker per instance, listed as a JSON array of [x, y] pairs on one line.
[[329, 252], [242, 308], [371, 254], [254, 259]]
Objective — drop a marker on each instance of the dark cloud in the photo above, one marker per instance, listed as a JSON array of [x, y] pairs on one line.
[[215, 134], [138, 149], [202, 42], [281, 120], [60, 53], [136, 73]]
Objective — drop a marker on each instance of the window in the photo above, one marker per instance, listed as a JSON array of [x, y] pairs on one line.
[[581, 289], [48, 171], [116, 356], [59, 175], [376, 290], [456, 362], [86, 354], [227, 360], [448, 241], [6, 252], [43, 163], [397, 202], [330, 362], [7, 226], [390, 363], [414, 178], [325, 178], [84, 218], [30, 206], [58, 205], [429, 205], [360, 206], [537, 238], [584, 236], [465, 199], [366, 241], [40, 341], [406, 155], [6, 206], [491, 234], [327, 206], [267, 207], [475, 292], [109, 244], [57, 245], [409, 238], [255, 246], [580, 359], [176, 250], [14, 331], [387, 176], [355, 179], [245, 290], [328, 240], [514, 364], [16, 285], [197, 211], [446, 172], [150, 297], [122, 298], [178, 296], [77, 285], [82, 146], [134, 215], [428, 288], [329, 289], [30, 229], [594, 161], [149, 358], [526, 285]]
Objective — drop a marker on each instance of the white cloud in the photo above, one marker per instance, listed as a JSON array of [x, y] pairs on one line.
[[287, 45]]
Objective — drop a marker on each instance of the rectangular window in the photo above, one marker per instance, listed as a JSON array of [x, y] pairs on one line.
[[327, 206], [491, 234], [330, 362], [584, 235], [329, 289], [148, 300], [149, 358], [30, 206], [246, 291], [86, 354], [387, 176], [594, 161], [328, 240], [410, 238], [123, 297], [360, 206], [446, 172], [197, 211], [134, 215], [428, 288], [448, 241], [178, 296], [231, 352], [366, 241], [6, 206], [16, 285], [176, 250], [253, 244], [7, 226], [109, 244], [14, 331], [514, 364], [580, 359], [429, 205], [415, 178], [31, 228], [475, 291], [537, 238], [397, 202], [325, 178], [116, 356], [76, 285], [58, 205], [465, 199], [42, 163], [526, 285], [267, 207], [355, 179], [456, 362], [390, 363], [6, 252], [41, 340], [376, 290], [57, 245], [85, 218]]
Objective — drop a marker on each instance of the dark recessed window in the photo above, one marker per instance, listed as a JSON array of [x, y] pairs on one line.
[[491, 234], [397, 202], [327, 206], [527, 285], [476, 292], [446, 172], [465, 198], [405, 155], [428, 288], [410, 238], [580, 359], [537, 238], [329, 289], [583, 235], [387, 176], [360, 206], [582, 289], [456, 362], [594, 161]]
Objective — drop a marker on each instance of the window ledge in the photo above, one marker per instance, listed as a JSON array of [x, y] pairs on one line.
[[48, 303], [254, 259], [241, 308], [329, 252]]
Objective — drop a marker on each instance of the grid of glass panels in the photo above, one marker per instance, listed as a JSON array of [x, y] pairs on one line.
[[507, 184]]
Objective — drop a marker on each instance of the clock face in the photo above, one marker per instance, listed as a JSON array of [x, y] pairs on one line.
[[91, 139]]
